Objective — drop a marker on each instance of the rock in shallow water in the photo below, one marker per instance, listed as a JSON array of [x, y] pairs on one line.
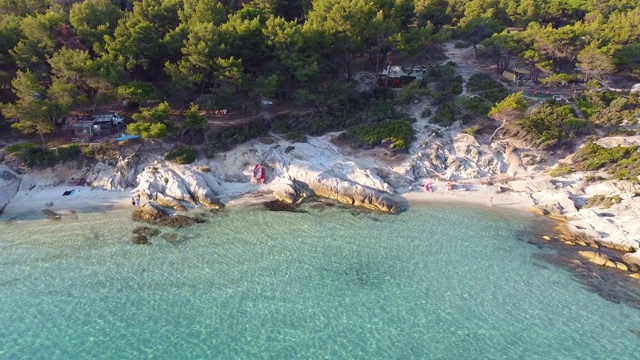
[[277, 205], [147, 231], [140, 240], [178, 221], [52, 215]]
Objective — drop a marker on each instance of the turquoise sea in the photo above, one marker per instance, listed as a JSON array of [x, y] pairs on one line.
[[435, 282]]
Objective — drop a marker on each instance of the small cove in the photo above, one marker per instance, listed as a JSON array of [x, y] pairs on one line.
[[433, 282]]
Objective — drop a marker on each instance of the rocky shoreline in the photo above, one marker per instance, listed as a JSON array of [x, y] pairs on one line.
[[368, 179]]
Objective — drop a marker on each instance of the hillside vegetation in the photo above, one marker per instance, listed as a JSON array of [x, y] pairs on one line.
[[223, 55]]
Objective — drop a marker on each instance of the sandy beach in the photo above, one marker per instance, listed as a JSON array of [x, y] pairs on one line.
[[30, 203]]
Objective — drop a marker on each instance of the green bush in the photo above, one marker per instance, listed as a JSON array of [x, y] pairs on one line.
[[623, 162], [486, 87], [445, 115], [475, 105], [295, 137], [447, 90], [69, 152], [39, 157], [410, 92], [473, 130], [552, 125], [183, 155], [426, 112], [21, 147], [602, 201], [560, 170], [396, 134]]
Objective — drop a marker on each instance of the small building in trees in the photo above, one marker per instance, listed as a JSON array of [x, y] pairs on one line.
[[399, 75], [516, 76]]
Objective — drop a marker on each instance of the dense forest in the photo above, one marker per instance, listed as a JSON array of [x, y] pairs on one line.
[[58, 55]]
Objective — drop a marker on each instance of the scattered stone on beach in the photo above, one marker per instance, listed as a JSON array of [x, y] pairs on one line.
[[277, 205], [52, 215], [546, 238], [140, 240], [147, 231]]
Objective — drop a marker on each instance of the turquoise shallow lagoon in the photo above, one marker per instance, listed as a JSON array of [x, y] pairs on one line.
[[435, 282]]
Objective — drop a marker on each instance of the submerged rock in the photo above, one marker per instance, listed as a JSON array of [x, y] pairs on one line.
[[170, 237], [52, 215], [147, 231], [149, 213], [277, 205], [140, 240], [178, 221]]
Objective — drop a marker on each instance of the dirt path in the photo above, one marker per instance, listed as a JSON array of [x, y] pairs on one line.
[[465, 62]]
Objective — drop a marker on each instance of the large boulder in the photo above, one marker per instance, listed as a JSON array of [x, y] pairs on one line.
[[354, 194], [613, 187], [149, 213], [167, 201], [535, 185], [9, 184], [291, 191]]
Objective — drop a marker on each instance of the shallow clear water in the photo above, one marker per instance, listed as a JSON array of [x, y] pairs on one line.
[[433, 282]]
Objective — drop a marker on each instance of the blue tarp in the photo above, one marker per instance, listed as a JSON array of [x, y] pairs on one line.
[[127, 137]]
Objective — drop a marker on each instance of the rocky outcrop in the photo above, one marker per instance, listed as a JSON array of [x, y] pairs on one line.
[[149, 213], [612, 187], [9, 185], [534, 185], [167, 201], [354, 194]]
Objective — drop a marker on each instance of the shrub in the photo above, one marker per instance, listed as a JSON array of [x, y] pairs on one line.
[[602, 201], [475, 105], [594, 157], [558, 79], [69, 152], [303, 97], [426, 112], [622, 162], [486, 87], [445, 115], [38, 157], [182, 155], [410, 92], [551, 125], [295, 137], [396, 134], [148, 130], [593, 178], [473, 130], [560, 170], [21, 147]]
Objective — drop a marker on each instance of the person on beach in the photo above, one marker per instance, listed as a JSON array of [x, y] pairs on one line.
[[449, 186], [491, 201], [133, 201], [138, 200], [427, 187]]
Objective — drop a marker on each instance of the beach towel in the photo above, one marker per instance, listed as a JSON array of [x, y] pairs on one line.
[[69, 192]]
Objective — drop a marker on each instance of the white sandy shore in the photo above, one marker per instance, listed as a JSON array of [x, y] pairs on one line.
[[28, 203], [483, 196]]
